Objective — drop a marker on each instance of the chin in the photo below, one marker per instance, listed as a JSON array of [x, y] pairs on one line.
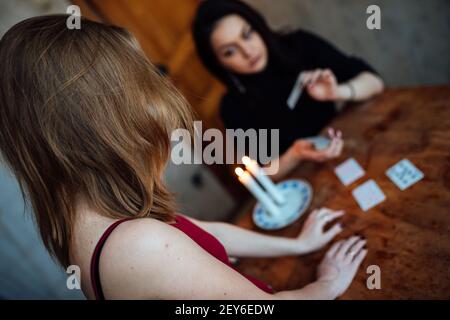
[[260, 66], [256, 69]]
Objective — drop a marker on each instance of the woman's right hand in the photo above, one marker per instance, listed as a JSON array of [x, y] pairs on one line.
[[305, 150], [322, 85], [340, 264]]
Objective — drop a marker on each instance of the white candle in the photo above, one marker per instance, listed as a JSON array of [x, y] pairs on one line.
[[247, 180], [259, 174]]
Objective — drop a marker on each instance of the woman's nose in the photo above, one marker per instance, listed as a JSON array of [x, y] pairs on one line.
[[247, 51]]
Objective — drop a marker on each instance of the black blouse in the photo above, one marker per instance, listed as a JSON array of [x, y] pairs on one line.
[[264, 103]]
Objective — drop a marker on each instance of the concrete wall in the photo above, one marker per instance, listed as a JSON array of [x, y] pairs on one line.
[[412, 47]]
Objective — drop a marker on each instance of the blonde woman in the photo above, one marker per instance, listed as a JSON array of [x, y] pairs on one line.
[[85, 124]]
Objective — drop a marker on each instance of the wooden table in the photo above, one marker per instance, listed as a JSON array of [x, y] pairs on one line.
[[409, 233]]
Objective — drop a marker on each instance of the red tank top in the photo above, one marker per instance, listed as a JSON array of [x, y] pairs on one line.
[[204, 239]]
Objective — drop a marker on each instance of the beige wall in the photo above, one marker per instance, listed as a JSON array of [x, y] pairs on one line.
[[413, 46]]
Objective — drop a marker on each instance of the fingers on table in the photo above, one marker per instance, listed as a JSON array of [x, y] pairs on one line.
[[359, 258], [344, 249], [326, 213], [330, 215], [354, 251], [350, 251], [334, 248], [334, 231], [322, 212], [315, 213]]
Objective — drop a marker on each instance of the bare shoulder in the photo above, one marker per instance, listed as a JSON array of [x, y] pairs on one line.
[[144, 233], [132, 255], [149, 259]]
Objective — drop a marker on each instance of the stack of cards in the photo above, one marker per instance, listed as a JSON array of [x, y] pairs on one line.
[[296, 92], [319, 142]]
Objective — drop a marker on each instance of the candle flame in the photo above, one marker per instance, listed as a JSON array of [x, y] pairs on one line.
[[239, 171], [246, 160]]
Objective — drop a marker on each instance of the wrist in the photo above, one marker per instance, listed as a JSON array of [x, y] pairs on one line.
[[298, 246], [329, 291], [345, 92], [295, 153]]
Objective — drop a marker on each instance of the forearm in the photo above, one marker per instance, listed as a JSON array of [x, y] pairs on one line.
[[360, 88], [240, 242], [319, 290], [286, 163]]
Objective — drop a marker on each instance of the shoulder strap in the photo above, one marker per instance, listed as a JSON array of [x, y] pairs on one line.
[[95, 261]]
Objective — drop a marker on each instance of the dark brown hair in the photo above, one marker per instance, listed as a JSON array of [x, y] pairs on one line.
[[83, 113]]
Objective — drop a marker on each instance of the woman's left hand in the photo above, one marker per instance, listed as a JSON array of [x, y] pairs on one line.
[[321, 84], [313, 237]]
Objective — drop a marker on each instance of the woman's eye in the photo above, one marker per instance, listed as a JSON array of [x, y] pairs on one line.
[[228, 53]]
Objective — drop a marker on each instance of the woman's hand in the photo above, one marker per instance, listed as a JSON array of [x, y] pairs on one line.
[[305, 150], [340, 264], [313, 237], [322, 85]]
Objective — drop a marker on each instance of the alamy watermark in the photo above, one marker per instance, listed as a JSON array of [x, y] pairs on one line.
[[262, 144], [374, 280], [74, 279], [74, 20], [374, 20]]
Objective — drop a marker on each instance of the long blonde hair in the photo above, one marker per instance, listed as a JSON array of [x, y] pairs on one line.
[[83, 112]]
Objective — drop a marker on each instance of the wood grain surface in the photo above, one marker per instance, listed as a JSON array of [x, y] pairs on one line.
[[409, 233]]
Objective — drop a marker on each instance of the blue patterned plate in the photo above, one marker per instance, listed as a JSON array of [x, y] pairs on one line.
[[298, 195]]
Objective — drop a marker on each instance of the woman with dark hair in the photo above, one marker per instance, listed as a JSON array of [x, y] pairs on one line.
[[85, 126], [265, 74]]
